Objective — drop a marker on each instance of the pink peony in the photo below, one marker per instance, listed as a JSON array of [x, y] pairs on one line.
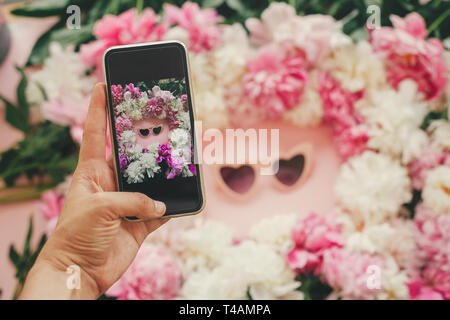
[[433, 236], [304, 261], [418, 290], [409, 56], [51, 204], [419, 167], [433, 243], [438, 276], [127, 28], [313, 34], [122, 124], [312, 236], [200, 24], [274, 81], [51, 226], [153, 275], [348, 126], [348, 272]]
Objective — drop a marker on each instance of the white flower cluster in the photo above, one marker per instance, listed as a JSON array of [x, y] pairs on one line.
[[62, 74], [393, 117], [218, 268], [131, 107], [372, 187]]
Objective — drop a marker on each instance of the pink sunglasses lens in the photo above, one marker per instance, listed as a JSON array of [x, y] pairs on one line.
[[239, 179], [290, 171]]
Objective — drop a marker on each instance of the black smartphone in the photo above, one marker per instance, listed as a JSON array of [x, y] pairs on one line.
[[151, 116]]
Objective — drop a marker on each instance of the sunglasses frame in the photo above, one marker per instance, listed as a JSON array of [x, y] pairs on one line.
[[305, 149]]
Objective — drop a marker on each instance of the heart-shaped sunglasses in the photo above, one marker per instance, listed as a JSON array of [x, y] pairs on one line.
[[144, 132], [290, 171]]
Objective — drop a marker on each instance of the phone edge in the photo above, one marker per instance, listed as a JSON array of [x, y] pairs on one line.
[[200, 167]]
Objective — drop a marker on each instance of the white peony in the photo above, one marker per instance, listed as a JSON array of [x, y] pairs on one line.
[[230, 59], [372, 187], [440, 134], [211, 108], [245, 268], [414, 146], [356, 67], [134, 172], [179, 137], [436, 193], [395, 239], [127, 137], [134, 152], [275, 231], [205, 244], [310, 111], [62, 74], [149, 164], [392, 117]]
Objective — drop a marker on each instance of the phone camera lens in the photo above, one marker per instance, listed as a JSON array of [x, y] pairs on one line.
[[157, 130]]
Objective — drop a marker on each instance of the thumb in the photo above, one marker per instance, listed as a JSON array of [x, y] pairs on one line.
[[125, 204]]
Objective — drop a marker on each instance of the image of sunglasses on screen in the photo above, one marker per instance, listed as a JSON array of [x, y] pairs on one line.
[[290, 171]]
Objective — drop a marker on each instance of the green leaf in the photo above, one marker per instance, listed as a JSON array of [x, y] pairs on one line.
[[14, 256], [40, 49], [42, 8], [27, 244], [212, 3], [432, 116], [72, 36], [240, 7], [22, 101], [14, 116], [48, 151], [313, 288]]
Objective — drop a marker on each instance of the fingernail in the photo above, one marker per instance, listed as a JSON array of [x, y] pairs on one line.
[[160, 207]]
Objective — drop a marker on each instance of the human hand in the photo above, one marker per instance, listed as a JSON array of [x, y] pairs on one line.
[[90, 232]]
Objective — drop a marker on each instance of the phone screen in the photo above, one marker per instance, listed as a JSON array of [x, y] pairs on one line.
[[153, 124]]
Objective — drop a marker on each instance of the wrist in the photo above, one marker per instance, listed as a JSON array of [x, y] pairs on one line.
[[57, 280]]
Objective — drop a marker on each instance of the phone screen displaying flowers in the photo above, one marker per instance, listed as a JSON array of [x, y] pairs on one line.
[[153, 130], [152, 124]]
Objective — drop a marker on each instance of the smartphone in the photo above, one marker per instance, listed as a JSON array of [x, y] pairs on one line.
[[151, 119]]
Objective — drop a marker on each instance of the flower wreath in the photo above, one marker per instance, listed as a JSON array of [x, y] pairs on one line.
[[138, 162], [385, 100]]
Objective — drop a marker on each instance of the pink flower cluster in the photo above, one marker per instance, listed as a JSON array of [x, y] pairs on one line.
[[153, 275], [122, 124], [275, 81], [131, 27], [51, 204], [348, 272], [350, 134], [419, 167], [126, 28], [408, 55], [433, 242], [313, 236], [201, 25]]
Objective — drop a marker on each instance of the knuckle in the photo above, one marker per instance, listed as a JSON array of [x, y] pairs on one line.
[[146, 205]]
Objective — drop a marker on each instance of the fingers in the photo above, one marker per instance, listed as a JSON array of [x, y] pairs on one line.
[[93, 144], [124, 204]]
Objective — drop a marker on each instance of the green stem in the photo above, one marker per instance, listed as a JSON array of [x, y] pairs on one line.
[[139, 6], [438, 21], [22, 196], [17, 290]]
